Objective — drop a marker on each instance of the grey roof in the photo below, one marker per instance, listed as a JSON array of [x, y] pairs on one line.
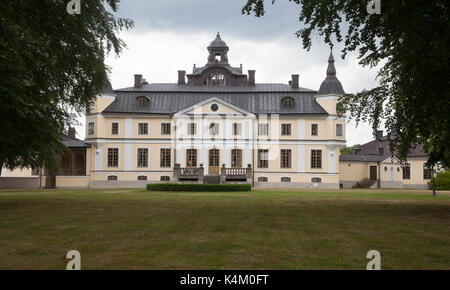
[[363, 158], [369, 152], [258, 99], [174, 87], [107, 89], [74, 142], [218, 42], [331, 85]]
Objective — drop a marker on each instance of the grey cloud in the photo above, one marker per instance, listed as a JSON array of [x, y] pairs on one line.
[[194, 16]]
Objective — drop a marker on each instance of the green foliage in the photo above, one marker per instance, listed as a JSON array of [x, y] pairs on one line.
[[349, 150], [410, 40], [51, 68], [198, 187], [441, 180]]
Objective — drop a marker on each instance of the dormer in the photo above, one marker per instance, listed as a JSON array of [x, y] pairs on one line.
[[142, 102]]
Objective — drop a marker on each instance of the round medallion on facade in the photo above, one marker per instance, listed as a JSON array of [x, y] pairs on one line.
[[214, 107]]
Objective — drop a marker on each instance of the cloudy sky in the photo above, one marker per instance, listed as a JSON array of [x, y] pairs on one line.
[[173, 35]]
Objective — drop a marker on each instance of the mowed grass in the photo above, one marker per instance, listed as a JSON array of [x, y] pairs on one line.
[[262, 229]]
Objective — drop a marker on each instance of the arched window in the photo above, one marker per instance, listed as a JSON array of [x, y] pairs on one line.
[[215, 79], [262, 179], [142, 102], [142, 177], [316, 180], [112, 177], [285, 179], [287, 103]]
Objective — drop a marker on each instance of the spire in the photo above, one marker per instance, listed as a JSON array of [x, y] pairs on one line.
[[331, 70], [331, 85]]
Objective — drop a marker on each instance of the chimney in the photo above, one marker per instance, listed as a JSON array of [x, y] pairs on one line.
[[144, 82], [294, 81], [251, 77], [379, 134], [181, 77], [138, 81], [72, 132]]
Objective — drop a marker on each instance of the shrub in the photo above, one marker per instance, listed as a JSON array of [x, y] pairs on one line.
[[198, 187], [442, 181]]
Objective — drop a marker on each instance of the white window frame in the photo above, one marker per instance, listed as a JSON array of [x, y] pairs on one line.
[[310, 130], [118, 128], [267, 129], [137, 157], [93, 129], [118, 157], [161, 126], [148, 128], [321, 158], [290, 129], [336, 130]]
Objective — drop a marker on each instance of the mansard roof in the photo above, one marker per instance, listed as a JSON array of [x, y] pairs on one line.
[[257, 99]]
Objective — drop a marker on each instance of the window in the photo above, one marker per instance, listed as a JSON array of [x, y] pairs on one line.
[[262, 179], [426, 172], [285, 129], [114, 128], [165, 128], [263, 129], [214, 129], [215, 79], [236, 158], [339, 128], [142, 157], [143, 128], [406, 171], [237, 129], [191, 157], [141, 102], [164, 178], [287, 103], [285, 158], [192, 129], [165, 157], [316, 180], [285, 179], [91, 128], [112, 177], [142, 177], [35, 171], [314, 129], [316, 158], [113, 157], [214, 107], [263, 158]]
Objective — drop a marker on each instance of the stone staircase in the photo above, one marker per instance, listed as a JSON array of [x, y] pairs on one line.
[[211, 179]]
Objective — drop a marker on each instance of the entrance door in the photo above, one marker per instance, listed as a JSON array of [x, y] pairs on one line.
[[213, 161], [373, 172]]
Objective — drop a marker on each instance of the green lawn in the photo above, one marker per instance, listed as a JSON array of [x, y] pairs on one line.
[[265, 229]]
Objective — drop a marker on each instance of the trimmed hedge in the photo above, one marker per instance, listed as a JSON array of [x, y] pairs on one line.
[[198, 187], [442, 181]]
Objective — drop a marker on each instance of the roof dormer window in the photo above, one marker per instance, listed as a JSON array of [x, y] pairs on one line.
[[287, 103], [142, 102], [215, 79]]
